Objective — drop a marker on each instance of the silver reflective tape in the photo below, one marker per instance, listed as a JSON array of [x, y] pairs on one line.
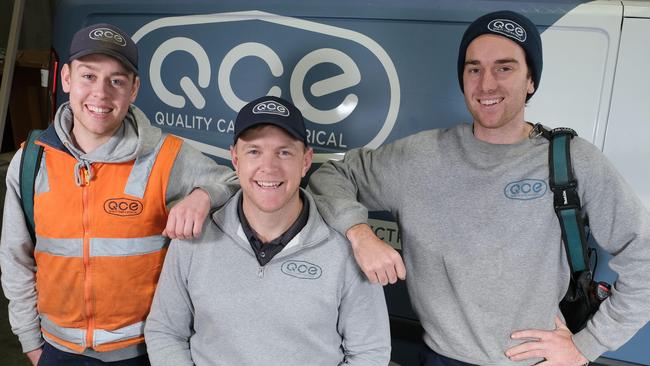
[[101, 336], [72, 335], [42, 183], [137, 182], [62, 247], [103, 247]]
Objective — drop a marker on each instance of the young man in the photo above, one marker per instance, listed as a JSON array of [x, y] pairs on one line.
[[268, 283], [482, 266], [105, 185]]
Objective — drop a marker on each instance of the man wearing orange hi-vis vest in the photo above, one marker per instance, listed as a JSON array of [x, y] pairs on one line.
[[102, 209]]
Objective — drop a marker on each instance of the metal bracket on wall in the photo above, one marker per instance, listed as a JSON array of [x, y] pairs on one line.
[[10, 62]]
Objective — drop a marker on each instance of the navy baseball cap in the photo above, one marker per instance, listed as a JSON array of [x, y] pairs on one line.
[[274, 111], [516, 28], [106, 39]]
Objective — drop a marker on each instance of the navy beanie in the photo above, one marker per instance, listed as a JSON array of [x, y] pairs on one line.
[[513, 26]]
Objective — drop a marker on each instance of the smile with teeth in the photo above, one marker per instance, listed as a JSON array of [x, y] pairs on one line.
[[268, 184], [96, 109], [489, 102]]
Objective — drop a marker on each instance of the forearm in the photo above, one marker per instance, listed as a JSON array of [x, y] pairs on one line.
[[359, 234], [192, 169], [364, 180]]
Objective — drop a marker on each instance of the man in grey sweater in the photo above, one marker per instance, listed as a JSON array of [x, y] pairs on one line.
[[486, 271], [269, 283]]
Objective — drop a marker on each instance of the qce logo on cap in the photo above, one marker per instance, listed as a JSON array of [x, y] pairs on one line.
[[107, 35], [271, 107], [508, 28]]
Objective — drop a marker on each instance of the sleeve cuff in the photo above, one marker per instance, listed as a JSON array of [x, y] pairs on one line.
[[588, 345], [31, 341], [347, 220]]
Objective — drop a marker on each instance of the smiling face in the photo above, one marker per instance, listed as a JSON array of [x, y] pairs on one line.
[[101, 90], [496, 81], [270, 164]]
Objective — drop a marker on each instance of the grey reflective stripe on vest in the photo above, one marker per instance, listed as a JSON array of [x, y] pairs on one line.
[[72, 335], [63, 247], [126, 246], [122, 334], [102, 246], [141, 171], [42, 184], [100, 336]]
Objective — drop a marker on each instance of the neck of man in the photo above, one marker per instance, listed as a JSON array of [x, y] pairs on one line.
[[88, 142], [270, 225], [511, 133]]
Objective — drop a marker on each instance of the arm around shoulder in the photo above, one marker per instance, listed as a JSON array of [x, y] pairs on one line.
[[192, 169], [364, 180], [200, 184]]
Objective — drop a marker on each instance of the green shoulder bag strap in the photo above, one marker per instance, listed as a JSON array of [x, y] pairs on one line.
[[578, 303], [567, 203], [30, 163]]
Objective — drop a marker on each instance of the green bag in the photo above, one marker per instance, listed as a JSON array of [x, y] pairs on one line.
[[30, 163]]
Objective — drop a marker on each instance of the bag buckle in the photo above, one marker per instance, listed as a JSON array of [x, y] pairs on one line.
[[566, 196]]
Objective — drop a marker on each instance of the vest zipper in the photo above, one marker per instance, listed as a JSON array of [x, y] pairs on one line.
[[260, 272], [86, 258]]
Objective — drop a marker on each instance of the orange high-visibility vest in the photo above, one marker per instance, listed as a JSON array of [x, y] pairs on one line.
[[99, 248]]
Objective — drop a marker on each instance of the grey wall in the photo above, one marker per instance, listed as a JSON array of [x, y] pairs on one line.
[[36, 30]]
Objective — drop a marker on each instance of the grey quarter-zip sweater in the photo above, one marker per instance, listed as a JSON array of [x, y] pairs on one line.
[[310, 305]]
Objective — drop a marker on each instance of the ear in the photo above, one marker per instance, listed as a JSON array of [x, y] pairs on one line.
[[136, 87], [309, 156], [65, 78], [530, 88], [234, 158]]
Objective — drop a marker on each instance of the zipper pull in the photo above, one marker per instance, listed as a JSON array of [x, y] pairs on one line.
[[86, 177]]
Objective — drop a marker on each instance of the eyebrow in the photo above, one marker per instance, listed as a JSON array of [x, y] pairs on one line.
[[499, 61], [248, 145], [94, 68]]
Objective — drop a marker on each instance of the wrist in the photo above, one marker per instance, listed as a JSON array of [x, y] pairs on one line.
[[356, 233]]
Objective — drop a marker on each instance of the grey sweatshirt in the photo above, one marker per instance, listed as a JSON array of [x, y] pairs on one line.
[[484, 258], [310, 305], [135, 138]]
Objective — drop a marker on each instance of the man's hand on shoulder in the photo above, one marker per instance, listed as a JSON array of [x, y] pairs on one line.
[[380, 262], [186, 218], [555, 346], [34, 355]]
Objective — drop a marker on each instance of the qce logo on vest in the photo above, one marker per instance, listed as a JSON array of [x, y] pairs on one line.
[[344, 83], [123, 207], [301, 269]]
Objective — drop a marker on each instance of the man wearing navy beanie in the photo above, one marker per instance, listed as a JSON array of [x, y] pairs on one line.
[[514, 27], [481, 241]]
